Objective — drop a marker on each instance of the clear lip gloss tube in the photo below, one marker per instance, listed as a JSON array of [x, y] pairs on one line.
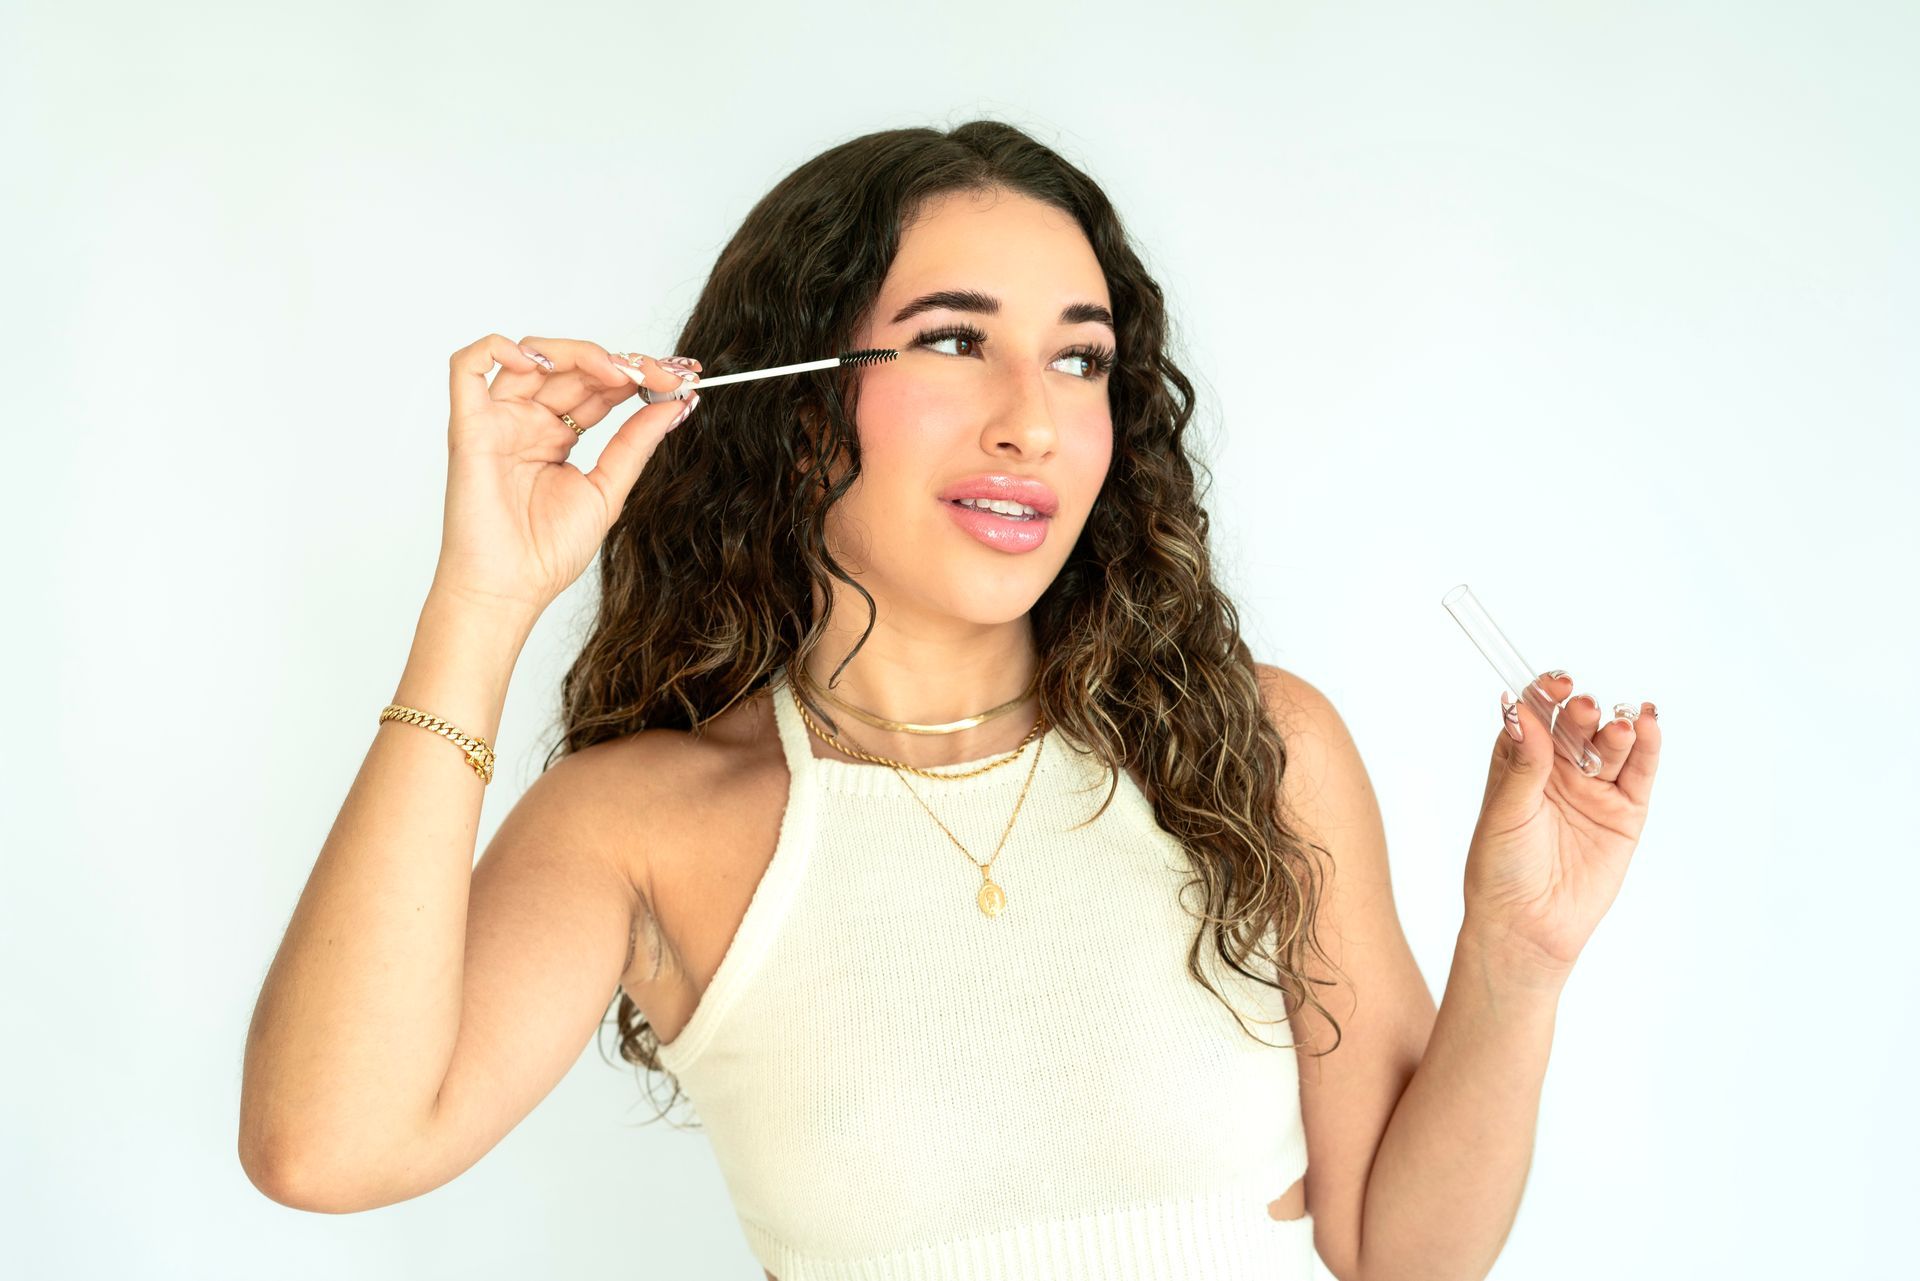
[[1519, 676]]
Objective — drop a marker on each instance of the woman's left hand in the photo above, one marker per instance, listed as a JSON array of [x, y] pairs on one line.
[[1552, 844]]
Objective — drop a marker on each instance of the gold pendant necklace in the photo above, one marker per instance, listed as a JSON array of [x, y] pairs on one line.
[[992, 898]]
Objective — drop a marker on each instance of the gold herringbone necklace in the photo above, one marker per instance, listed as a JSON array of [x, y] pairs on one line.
[[805, 685], [913, 727]]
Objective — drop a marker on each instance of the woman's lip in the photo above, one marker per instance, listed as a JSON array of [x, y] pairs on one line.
[[999, 532]]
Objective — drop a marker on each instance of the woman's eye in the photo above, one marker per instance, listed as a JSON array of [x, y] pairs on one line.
[[929, 342]]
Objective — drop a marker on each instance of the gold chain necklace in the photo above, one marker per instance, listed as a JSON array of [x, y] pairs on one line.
[[992, 899], [805, 685]]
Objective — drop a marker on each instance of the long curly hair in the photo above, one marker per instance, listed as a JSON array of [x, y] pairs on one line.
[[707, 578]]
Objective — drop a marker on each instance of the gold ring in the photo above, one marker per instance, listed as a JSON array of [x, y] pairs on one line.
[[578, 430]]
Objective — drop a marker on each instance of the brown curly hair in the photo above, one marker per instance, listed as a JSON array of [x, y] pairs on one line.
[[708, 576]]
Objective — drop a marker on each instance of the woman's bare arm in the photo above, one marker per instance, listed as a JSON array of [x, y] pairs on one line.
[[357, 1023]]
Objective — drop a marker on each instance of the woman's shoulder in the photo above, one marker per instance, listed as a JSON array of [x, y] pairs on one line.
[[663, 763], [677, 789]]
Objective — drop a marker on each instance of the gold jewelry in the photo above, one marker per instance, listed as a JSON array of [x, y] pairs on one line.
[[578, 430], [479, 754], [992, 899], [835, 740], [910, 727]]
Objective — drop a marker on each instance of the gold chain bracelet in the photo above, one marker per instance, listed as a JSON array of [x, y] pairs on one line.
[[479, 754]]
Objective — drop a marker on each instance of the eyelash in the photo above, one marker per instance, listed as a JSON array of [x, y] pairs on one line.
[[1101, 359]]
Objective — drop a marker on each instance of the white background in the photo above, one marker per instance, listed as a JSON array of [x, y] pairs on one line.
[[1608, 310]]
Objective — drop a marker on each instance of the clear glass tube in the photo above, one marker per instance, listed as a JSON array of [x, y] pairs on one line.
[[1519, 676]]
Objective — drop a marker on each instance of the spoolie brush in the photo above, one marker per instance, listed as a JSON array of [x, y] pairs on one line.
[[866, 356]]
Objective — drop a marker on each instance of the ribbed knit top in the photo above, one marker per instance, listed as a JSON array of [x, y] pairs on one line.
[[898, 1086]]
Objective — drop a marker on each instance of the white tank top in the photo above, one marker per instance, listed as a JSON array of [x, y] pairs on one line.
[[897, 1085]]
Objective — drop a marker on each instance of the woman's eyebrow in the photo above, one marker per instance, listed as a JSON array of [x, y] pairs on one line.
[[973, 300]]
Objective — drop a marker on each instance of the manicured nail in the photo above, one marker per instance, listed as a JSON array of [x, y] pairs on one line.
[[536, 357], [1625, 712], [1510, 710]]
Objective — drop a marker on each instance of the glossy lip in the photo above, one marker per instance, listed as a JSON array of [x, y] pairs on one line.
[[1002, 533], [1014, 489]]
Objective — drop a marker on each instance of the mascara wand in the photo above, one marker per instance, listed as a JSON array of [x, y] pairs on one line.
[[865, 356]]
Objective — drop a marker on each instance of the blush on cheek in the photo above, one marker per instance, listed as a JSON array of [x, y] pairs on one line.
[[907, 405], [909, 439]]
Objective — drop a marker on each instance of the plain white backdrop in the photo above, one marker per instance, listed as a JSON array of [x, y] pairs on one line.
[[1607, 310]]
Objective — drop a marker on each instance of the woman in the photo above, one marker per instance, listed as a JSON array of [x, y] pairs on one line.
[[820, 675]]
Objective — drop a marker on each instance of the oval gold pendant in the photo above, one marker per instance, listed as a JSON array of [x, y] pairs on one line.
[[992, 898]]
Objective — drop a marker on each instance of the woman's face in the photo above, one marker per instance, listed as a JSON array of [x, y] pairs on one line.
[[1018, 395]]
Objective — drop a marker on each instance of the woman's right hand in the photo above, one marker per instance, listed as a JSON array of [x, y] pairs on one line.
[[521, 521]]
